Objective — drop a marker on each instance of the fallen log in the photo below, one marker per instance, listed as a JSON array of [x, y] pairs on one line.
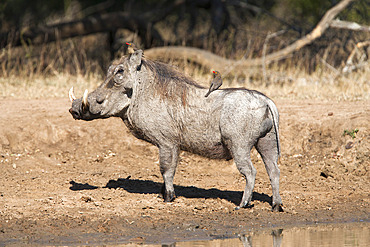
[[93, 24]]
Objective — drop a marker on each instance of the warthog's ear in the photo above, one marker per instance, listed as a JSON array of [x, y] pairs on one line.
[[135, 59]]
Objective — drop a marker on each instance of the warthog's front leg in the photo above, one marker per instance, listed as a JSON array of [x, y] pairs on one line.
[[168, 159]]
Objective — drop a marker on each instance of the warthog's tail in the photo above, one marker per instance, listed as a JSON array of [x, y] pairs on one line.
[[275, 119]]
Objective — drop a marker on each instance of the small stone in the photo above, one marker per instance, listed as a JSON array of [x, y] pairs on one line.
[[99, 159], [86, 199], [349, 145], [324, 174], [138, 240]]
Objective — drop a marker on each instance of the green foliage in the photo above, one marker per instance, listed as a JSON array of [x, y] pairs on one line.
[[351, 133], [359, 12], [309, 11]]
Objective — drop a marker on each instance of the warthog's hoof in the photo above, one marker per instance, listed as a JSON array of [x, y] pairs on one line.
[[169, 197], [249, 205], [277, 208]]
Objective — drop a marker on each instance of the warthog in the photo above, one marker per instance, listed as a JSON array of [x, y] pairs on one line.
[[168, 109]]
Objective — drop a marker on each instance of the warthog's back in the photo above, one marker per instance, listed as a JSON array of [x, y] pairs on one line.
[[199, 126]]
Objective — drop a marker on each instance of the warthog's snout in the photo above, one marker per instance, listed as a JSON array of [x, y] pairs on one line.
[[98, 104], [79, 106], [75, 114], [76, 110]]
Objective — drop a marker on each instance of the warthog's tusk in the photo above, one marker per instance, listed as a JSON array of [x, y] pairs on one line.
[[71, 95], [85, 104]]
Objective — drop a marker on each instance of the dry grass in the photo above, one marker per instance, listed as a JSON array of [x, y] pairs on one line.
[[50, 70], [293, 85]]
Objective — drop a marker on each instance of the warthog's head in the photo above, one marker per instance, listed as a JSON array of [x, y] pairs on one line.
[[112, 97]]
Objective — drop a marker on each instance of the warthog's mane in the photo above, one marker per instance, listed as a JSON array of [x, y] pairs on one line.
[[170, 83]]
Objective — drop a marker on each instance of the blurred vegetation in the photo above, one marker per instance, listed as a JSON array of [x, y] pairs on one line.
[[21, 13], [235, 29], [309, 12]]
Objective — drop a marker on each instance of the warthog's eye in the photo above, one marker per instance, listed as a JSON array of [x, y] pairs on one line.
[[120, 71], [118, 76]]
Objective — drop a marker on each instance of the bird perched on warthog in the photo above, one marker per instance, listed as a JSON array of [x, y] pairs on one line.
[[131, 48], [215, 83], [166, 108]]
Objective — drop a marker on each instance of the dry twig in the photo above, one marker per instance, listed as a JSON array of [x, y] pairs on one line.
[[350, 66]]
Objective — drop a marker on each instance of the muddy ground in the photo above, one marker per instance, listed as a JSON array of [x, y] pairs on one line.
[[64, 181]]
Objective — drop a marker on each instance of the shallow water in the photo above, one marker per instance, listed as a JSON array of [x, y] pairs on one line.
[[351, 234]]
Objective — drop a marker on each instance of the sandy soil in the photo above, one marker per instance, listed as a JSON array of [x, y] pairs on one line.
[[65, 181]]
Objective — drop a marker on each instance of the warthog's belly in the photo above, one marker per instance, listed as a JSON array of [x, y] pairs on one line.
[[214, 151]]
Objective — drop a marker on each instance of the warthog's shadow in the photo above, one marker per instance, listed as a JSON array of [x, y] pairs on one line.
[[150, 187]]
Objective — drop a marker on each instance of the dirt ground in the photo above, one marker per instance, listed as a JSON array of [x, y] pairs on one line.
[[66, 182]]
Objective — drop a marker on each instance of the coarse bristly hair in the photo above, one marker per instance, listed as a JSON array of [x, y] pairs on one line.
[[170, 83]]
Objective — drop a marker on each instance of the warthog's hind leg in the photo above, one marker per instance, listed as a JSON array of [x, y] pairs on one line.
[[168, 159], [267, 147], [241, 155]]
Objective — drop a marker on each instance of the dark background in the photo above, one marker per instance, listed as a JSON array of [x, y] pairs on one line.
[[94, 32]]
